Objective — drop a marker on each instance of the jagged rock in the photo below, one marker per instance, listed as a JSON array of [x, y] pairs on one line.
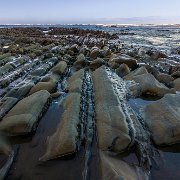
[[155, 55], [163, 119], [60, 68], [65, 137], [95, 52], [129, 61], [6, 104], [50, 86], [23, 117], [177, 84], [122, 70], [80, 62], [96, 63]]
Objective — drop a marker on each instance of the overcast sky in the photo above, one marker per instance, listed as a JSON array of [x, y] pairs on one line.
[[89, 11]]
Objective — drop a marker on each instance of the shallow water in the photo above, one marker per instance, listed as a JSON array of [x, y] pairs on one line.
[[167, 164]]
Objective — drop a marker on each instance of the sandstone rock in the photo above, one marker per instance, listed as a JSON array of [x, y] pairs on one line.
[[163, 119], [149, 85], [24, 116], [96, 63], [177, 84], [176, 74], [74, 48], [60, 68], [95, 52], [66, 135], [165, 79], [20, 91], [80, 62], [111, 121], [6, 68], [122, 70], [49, 86], [6, 104], [139, 71], [129, 61], [113, 168]]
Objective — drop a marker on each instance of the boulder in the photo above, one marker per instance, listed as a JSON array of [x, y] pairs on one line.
[[5, 146], [80, 62], [6, 68], [49, 86], [149, 85], [163, 119], [60, 68], [165, 79], [96, 63], [94, 53], [177, 84], [38, 72], [74, 48], [139, 71], [24, 116], [129, 61], [122, 70]]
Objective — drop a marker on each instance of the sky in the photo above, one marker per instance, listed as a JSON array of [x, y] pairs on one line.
[[89, 11]]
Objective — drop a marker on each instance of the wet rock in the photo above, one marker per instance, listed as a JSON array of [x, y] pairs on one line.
[[165, 79], [49, 86], [20, 91], [112, 128], [57, 94], [163, 119], [24, 116], [77, 75], [95, 52], [124, 59], [5, 82], [106, 52], [80, 62], [6, 68], [176, 74], [116, 169], [38, 72], [66, 135], [177, 84], [84, 50], [6, 104], [174, 69], [74, 48], [155, 55], [5, 146], [122, 70], [149, 85], [60, 68], [96, 63], [152, 70], [139, 71]]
